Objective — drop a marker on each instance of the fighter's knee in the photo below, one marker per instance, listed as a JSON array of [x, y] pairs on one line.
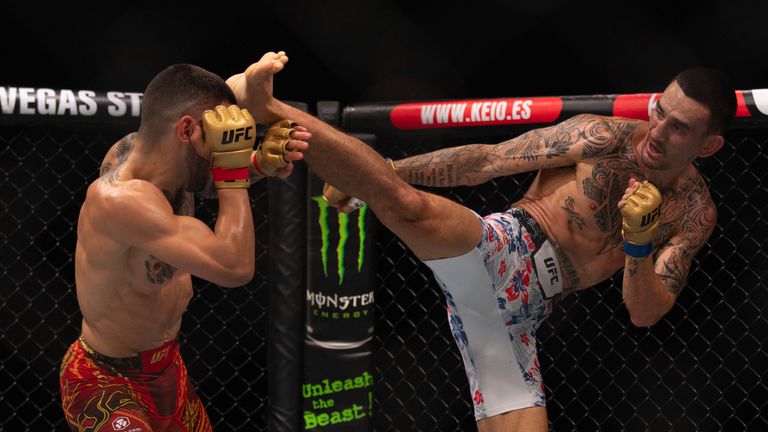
[[407, 205]]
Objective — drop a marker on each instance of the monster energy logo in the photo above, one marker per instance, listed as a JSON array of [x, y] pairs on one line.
[[343, 237]]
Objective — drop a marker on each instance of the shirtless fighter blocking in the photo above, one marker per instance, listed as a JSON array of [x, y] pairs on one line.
[[138, 246]]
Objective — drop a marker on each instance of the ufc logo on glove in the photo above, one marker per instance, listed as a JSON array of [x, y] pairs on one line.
[[650, 217], [232, 135]]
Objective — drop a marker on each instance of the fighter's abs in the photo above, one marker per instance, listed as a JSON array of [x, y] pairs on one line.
[[577, 207]]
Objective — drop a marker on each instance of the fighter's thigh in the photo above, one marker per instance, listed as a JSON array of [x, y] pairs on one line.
[[193, 414], [532, 419], [110, 408], [432, 226]]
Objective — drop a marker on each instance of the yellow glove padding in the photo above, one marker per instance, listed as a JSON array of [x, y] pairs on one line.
[[268, 158], [334, 196], [229, 136], [641, 213]]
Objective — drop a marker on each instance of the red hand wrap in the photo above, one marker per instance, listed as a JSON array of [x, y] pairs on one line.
[[255, 162], [221, 174]]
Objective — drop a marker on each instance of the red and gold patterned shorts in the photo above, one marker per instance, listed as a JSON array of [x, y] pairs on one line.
[[146, 392]]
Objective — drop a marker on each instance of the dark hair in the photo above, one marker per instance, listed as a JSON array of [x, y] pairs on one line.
[[179, 90], [713, 90]]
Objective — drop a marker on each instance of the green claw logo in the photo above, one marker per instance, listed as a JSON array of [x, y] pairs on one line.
[[343, 236]]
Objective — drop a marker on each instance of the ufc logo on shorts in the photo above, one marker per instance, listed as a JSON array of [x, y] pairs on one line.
[[547, 270], [156, 357], [549, 262], [648, 218], [232, 135]]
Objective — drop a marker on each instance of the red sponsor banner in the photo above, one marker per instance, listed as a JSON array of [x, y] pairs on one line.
[[636, 106], [481, 112], [741, 106]]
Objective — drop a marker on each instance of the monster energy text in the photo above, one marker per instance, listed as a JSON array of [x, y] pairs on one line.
[[321, 300]]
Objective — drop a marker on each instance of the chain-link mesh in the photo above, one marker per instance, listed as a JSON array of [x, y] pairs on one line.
[[43, 178], [702, 368]]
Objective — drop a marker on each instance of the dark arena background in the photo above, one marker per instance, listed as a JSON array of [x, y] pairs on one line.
[[71, 85]]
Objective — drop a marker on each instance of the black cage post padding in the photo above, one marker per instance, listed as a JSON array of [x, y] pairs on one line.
[[287, 282], [703, 367]]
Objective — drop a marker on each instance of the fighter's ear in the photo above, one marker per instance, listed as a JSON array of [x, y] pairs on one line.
[[712, 143], [185, 128]]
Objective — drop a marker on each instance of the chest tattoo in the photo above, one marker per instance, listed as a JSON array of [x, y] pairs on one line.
[[158, 272], [605, 188], [573, 216]]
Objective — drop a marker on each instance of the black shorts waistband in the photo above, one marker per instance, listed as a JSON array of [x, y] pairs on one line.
[[147, 361], [545, 260], [531, 225]]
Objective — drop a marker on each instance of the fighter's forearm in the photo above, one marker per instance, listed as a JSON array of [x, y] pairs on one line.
[[234, 227], [645, 296], [457, 166]]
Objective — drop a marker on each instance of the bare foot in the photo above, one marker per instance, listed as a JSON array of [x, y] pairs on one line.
[[253, 88]]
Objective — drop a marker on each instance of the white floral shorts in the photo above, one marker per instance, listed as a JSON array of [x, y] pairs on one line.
[[495, 304]]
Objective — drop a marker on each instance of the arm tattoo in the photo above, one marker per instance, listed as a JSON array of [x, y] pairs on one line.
[[547, 143], [673, 268], [573, 216], [602, 137], [437, 168], [674, 275], [689, 220], [476, 163], [634, 264]]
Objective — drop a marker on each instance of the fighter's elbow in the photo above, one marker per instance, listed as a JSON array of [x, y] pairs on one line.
[[404, 205], [643, 320], [236, 275], [245, 277], [234, 279], [647, 318]]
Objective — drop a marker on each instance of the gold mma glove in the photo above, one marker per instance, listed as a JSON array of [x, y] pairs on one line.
[[641, 213], [268, 158], [229, 136], [333, 196]]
